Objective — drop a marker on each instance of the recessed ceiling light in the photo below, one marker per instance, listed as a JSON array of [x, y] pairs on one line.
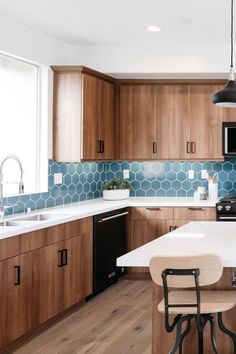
[[153, 28]]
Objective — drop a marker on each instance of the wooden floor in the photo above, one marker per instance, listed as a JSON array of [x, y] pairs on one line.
[[117, 321]]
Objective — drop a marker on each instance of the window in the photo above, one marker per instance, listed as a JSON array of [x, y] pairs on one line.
[[23, 129]]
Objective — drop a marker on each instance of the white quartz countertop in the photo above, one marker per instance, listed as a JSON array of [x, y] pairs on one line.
[[197, 237], [88, 208]]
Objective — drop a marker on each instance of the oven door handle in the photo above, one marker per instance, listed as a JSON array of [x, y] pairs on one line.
[[227, 218], [113, 216]]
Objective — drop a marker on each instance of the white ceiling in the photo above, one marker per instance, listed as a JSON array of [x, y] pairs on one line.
[[123, 22]]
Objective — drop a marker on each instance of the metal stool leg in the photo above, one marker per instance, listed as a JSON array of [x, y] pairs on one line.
[[226, 330], [213, 341], [179, 338], [184, 334]]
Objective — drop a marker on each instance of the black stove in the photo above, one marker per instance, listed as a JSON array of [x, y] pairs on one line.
[[226, 209]]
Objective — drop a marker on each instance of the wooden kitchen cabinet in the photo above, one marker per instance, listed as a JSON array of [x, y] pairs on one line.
[[53, 267], [178, 120], [138, 122], [83, 115], [98, 119], [173, 128], [149, 223], [206, 123], [16, 297]]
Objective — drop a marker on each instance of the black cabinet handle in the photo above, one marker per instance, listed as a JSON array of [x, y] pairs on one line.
[[60, 258], [17, 270], [170, 228], [192, 147], [99, 147], [154, 147], [64, 257], [102, 146], [188, 147], [176, 227]]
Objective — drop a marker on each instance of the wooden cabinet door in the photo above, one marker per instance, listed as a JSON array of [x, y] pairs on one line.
[[106, 121], [77, 277], [173, 132], [144, 231], [16, 295], [206, 123], [138, 122], [91, 111], [67, 116], [47, 281]]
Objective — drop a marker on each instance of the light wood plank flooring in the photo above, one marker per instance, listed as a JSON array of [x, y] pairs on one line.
[[117, 321]]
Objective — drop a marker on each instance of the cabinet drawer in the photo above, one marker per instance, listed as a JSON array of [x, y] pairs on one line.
[[154, 213], [78, 227], [194, 213]]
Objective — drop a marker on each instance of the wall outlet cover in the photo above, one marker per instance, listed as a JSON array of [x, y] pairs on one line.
[[190, 174], [204, 174], [125, 173], [57, 178]]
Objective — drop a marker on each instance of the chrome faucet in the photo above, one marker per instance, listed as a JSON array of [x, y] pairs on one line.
[[3, 206]]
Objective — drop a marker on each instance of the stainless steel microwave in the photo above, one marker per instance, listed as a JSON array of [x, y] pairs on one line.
[[229, 138]]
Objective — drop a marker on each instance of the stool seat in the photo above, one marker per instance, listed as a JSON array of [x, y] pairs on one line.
[[211, 301]]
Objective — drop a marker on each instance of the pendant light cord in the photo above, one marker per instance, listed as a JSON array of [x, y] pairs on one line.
[[232, 33]]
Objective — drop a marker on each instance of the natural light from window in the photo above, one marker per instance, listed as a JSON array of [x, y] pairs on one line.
[[21, 132]]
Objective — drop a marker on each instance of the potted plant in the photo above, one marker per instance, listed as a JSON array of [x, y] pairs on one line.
[[116, 189]]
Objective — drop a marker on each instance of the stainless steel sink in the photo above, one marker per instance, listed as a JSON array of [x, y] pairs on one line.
[[12, 223], [42, 217]]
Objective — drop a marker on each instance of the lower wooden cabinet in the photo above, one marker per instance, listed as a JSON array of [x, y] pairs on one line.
[[149, 223], [41, 283], [16, 297]]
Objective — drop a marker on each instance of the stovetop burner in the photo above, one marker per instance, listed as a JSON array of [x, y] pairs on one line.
[[228, 199]]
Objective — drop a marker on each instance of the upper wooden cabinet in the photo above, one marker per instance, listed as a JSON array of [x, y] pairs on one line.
[[170, 121], [138, 122], [206, 123], [173, 130], [83, 119]]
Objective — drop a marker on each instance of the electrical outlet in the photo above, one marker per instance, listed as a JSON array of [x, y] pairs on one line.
[[204, 174], [190, 174], [126, 174], [57, 178]]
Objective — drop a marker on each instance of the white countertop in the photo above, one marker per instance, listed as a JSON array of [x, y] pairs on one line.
[[92, 207], [197, 237]]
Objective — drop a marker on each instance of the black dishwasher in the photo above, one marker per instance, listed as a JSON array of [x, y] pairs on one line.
[[109, 242]]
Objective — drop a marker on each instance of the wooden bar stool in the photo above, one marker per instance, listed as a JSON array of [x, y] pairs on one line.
[[195, 304]]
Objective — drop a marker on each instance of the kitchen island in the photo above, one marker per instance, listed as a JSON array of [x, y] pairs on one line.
[[191, 239]]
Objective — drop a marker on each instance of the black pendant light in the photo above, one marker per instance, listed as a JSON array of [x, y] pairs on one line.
[[227, 96]]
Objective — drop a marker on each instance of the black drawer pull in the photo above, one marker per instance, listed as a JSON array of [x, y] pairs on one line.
[[195, 209], [60, 258], [64, 257], [170, 228], [153, 209], [17, 270]]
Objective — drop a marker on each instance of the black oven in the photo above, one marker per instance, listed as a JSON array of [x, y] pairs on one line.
[[226, 209]]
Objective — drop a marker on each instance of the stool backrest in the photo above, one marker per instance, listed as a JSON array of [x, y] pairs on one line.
[[209, 265]]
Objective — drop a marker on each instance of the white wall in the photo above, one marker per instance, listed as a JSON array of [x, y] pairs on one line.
[[20, 40], [134, 59]]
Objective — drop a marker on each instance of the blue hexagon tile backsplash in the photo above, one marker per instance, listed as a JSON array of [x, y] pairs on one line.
[[82, 181]]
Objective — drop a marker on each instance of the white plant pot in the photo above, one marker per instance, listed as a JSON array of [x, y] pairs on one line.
[[116, 194]]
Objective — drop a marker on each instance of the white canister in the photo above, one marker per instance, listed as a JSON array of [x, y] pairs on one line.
[[202, 193]]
